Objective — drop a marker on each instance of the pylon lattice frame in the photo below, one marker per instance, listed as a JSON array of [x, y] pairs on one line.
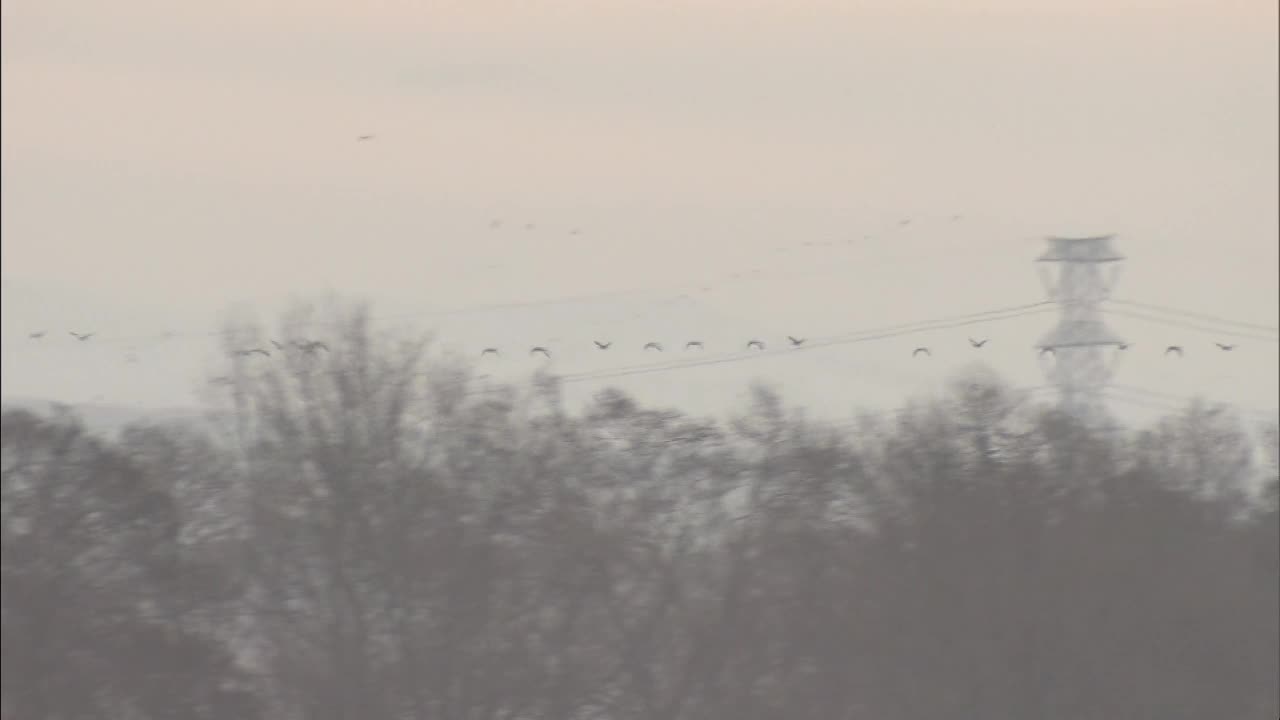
[[1078, 274]]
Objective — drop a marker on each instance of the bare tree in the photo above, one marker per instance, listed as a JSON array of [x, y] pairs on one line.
[[93, 572], [365, 531]]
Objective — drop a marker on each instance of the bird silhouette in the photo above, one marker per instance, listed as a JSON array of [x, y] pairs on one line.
[[1174, 349], [575, 231], [795, 341], [653, 346], [82, 336], [494, 225], [693, 345], [977, 343], [363, 138], [253, 351], [758, 345], [489, 351], [540, 351], [36, 335], [603, 345], [1123, 346], [1225, 348], [920, 350], [277, 345], [529, 226], [310, 345], [1047, 351]]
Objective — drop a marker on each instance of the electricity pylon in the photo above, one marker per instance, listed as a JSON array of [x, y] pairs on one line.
[[1077, 355]]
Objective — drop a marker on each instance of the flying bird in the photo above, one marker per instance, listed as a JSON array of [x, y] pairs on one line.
[[758, 345], [363, 138], [277, 345], [603, 345], [1047, 351], [540, 351], [253, 351], [494, 225], [795, 341], [575, 231], [653, 346], [1123, 346], [693, 345], [311, 345], [529, 226], [1173, 349], [488, 351], [977, 343], [82, 336], [1225, 348], [920, 350], [36, 335]]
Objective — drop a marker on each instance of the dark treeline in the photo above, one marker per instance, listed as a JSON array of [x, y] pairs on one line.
[[364, 534]]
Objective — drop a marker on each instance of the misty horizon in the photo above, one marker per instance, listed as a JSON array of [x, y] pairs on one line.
[[711, 360]]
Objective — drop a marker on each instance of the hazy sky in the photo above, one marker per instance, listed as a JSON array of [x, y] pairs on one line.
[[164, 161]]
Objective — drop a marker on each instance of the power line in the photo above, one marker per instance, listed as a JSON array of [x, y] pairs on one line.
[[848, 338], [1189, 326], [1179, 402], [1169, 407], [1168, 400], [170, 336], [226, 333], [1158, 394], [1173, 397], [951, 318], [1198, 316], [816, 345], [851, 337], [683, 288], [1161, 407]]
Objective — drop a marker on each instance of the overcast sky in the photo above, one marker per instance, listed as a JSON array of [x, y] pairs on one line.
[[741, 168]]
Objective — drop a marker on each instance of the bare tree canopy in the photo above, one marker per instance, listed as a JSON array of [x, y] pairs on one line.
[[369, 532]]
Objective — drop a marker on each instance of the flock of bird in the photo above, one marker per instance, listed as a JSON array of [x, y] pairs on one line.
[[796, 342], [307, 346], [655, 346], [1177, 349], [1170, 350], [313, 346]]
